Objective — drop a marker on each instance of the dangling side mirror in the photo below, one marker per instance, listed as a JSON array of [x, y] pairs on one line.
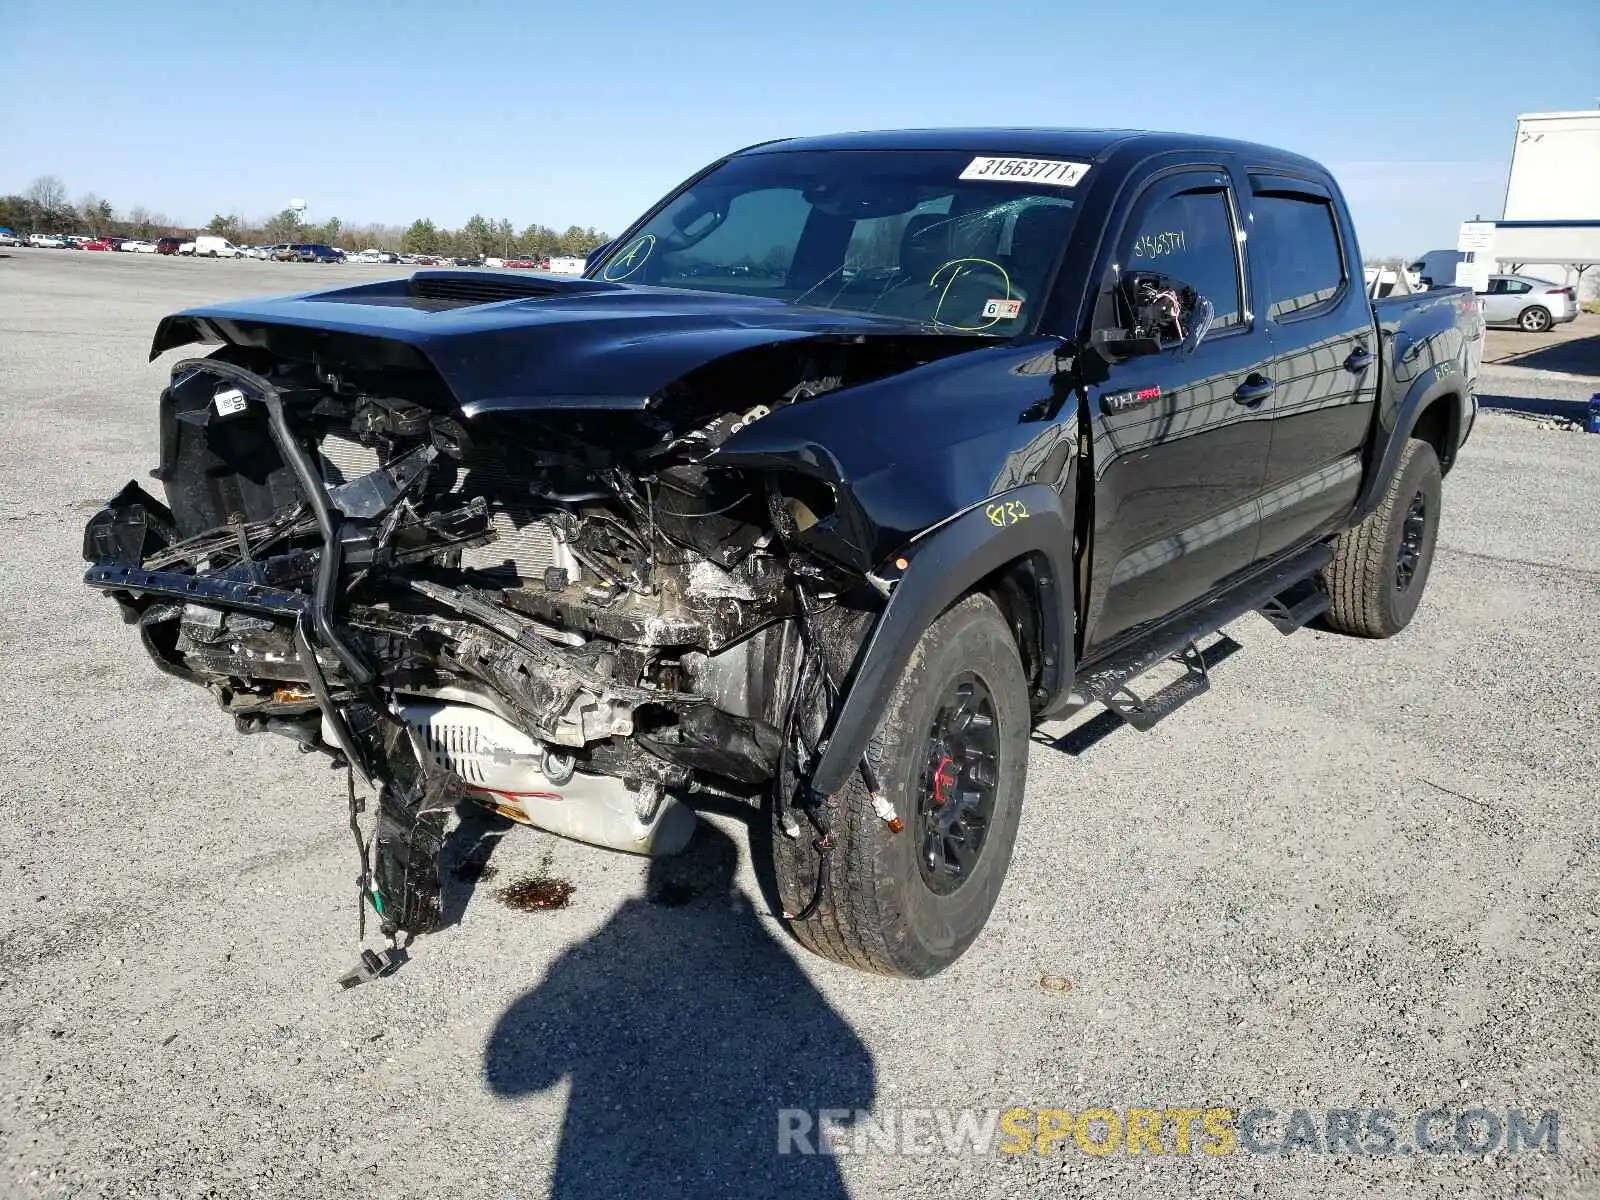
[[1200, 319], [1161, 312]]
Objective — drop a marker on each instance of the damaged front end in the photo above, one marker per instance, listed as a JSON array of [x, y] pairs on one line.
[[572, 614]]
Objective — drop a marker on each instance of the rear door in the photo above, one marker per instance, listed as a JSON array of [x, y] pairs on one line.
[[1324, 362], [1178, 457]]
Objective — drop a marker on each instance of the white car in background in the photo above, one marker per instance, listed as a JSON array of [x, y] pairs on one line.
[[375, 256], [1528, 302], [48, 241], [207, 246], [187, 248], [7, 238], [138, 246]]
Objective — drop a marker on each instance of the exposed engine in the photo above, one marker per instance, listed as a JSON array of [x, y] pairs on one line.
[[577, 617]]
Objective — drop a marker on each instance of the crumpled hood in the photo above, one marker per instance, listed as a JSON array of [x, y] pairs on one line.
[[505, 342]]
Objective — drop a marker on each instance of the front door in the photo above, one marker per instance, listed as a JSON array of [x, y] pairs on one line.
[[1180, 437]]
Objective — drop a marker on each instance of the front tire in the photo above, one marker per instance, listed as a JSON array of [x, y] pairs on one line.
[[1380, 568], [1535, 320], [951, 752]]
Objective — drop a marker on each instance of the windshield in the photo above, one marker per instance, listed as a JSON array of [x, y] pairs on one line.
[[939, 236]]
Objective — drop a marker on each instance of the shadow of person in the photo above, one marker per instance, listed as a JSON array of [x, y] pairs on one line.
[[685, 1029], [464, 859]]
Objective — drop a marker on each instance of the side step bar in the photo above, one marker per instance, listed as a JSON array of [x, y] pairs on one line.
[[1143, 713], [1297, 607], [1284, 592]]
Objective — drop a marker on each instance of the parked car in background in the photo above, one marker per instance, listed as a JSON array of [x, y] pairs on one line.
[[186, 249], [375, 256], [308, 252], [7, 238], [97, 244], [48, 241], [207, 246], [169, 245], [1532, 305], [525, 264], [137, 246]]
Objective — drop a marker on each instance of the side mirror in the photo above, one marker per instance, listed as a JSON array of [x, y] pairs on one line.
[[1114, 345], [1157, 312], [1200, 319]]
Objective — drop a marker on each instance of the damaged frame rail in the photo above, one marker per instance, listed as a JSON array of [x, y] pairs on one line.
[[414, 800]]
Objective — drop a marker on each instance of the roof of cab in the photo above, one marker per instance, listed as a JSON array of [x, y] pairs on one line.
[[1085, 144]]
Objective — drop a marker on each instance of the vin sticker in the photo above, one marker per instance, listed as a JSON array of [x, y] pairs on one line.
[[229, 401], [1121, 402], [1002, 310], [1054, 171]]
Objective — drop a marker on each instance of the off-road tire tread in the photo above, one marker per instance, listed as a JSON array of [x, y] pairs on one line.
[[1361, 574], [849, 926]]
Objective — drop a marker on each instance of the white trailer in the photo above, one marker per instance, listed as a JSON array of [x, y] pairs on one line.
[[1550, 226]]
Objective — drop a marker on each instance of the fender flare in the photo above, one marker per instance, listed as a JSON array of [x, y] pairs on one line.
[[1431, 386], [942, 565]]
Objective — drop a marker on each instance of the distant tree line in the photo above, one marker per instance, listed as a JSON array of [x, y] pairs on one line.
[[44, 208]]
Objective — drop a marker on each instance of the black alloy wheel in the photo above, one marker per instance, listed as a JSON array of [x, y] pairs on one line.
[[956, 793], [1412, 534]]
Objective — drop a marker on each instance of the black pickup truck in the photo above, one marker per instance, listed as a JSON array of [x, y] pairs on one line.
[[848, 463]]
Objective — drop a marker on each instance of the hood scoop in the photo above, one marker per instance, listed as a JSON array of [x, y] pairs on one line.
[[464, 288]]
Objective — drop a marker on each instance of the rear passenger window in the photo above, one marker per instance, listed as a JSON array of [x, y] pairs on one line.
[[1190, 237], [1296, 247]]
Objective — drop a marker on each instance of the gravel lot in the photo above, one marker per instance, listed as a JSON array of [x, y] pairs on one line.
[[1358, 874]]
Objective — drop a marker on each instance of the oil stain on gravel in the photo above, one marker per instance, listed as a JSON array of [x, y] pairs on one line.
[[538, 892]]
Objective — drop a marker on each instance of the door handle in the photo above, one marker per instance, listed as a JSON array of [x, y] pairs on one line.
[[1253, 390], [1360, 359]]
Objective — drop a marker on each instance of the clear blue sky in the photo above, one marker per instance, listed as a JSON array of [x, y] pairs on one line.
[[585, 112]]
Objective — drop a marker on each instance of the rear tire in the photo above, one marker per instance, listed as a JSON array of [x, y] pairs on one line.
[[1535, 320], [1380, 567], [951, 753]]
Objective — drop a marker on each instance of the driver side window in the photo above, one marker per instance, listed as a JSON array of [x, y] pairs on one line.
[[1189, 236]]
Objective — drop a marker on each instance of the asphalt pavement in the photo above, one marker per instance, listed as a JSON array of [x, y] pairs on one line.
[[1357, 875]]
